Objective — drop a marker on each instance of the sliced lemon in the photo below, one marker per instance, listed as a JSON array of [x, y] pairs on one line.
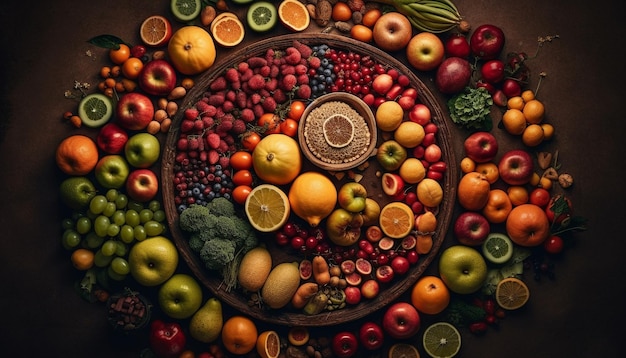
[[267, 208], [512, 293], [441, 340]]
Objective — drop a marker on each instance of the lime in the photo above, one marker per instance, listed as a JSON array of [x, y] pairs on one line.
[[512, 293], [267, 208], [262, 16], [497, 248], [442, 339], [95, 110], [338, 131], [186, 10]]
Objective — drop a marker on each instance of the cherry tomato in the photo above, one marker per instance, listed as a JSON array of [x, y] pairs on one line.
[[250, 140], [554, 244], [296, 109], [241, 160], [271, 123], [289, 127], [242, 177], [240, 193], [492, 71]]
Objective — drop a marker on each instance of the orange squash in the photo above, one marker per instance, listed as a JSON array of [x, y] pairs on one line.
[[277, 159], [191, 50]]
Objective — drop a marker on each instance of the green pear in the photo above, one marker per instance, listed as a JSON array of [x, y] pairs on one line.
[[206, 324], [77, 192]]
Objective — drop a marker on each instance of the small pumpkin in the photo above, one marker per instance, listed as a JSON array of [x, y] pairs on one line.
[[277, 159], [191, 50]]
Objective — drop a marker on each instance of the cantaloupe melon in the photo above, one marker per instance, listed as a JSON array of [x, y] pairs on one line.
[[281, 285]]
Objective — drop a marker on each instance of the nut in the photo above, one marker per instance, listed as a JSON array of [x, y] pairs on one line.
[[566, 180]]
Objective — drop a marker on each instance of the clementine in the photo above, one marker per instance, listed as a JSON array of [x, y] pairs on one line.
[[498, 206], [83, 259], [118, 56], [473, 191], [527, 225], [518, 195], [490, 170], [239, 335], [77, 155], [430, 295]]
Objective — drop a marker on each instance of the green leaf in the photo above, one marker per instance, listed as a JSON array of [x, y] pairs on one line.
[[106, 41]]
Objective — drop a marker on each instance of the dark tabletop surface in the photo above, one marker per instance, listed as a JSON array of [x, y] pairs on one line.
[[43, 52]]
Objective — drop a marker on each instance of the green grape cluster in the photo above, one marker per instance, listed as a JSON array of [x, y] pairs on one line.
[[109, 226]]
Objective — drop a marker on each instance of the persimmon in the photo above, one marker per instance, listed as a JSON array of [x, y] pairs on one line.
[[473, 191]]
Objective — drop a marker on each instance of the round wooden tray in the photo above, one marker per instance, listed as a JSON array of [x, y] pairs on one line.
[[288, 316]]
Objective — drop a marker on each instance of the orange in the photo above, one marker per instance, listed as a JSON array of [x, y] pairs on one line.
[[120, 55], [268, 344], [533, 135], [371, 16], [294, 15], [228, 31], [412, 171], [132, 67], [498, 206], [516, 102], [77, 155], [514, 121], [312, 208], [341, 12], [362, 33], [548, 131], [528, 95], [396, 220], [490, 170], [430, 295], [155, 31], [191, 50], [518, 195], [239, 335], [82, 259], [533, 111], [467, 165], [527, 225], [473, 191]]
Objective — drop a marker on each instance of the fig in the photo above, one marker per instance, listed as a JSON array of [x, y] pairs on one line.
[[363, 266], [348, 267]]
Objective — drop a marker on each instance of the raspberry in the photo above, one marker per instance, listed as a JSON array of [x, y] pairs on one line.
[[279, 96], [191, 113], [315, 62], [288, 82], [214, 156], [287, 69], [293, 56], [304, 91], [239, 125], [256, 61], [303, 79], [264, 71], [247, 115], [217, 99], [246, 75], [241, 99], [224, 161], [186, 125], [232, 75], [274, 71], [218, 84], [242, 67], [213, 140], [272, 84], [230, 95], [269, 104], [256, 82], [304, 50], [258, 110], [301, 69], [207, 122]]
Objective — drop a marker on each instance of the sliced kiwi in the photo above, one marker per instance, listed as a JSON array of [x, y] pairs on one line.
[[95, 110], [262, 16], [186, 10]]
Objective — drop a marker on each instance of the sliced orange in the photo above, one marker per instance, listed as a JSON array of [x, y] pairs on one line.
[[512, 293], [267, 208], [403, 350], [294, 15], [268, 344], [155, 31], [396, 220], [228, 30]]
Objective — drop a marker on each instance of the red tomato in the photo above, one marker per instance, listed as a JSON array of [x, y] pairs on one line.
[[240, 193], [271, 123], [296, 109], [241, 160], [250, 140], [289, 127], [554, 244], [242, 177]]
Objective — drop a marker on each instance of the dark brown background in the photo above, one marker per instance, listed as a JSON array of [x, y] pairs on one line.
[[43, 52]]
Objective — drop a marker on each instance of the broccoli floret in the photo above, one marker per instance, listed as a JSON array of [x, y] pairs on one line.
[[196, 241], [194, 218], [221, 206], [217, 253]]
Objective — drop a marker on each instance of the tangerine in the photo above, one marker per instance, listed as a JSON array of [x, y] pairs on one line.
[[498, 206], [533, 111], [528, 95], [527, 225], [294, 15], [467, 165], [341, 12], [239, 335], [514, 121], [132, 67], [516, 102], [548, 131], [518, 195], [533, 135], [473, 191], [77, 155], [430, 295], [490, 170], [83, 259], [371, 16], [120, 55], [362, 33]]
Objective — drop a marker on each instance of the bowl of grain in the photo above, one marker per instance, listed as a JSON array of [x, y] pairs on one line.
[[337, 132]]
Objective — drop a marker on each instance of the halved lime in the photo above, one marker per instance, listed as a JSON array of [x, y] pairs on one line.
[[186, 10], [442, 339], [497, 248], [262, 16], [95, 110]]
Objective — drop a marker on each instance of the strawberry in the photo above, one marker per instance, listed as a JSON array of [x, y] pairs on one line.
[[186, 125], [257, 61], [304, 91], [271, 84], [213, 140], [214, 156], [247, 115], [239, 125]]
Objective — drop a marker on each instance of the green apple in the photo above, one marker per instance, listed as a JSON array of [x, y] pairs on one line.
[[153, 260], [351, 196], [371, 212], [463, 269], [180, 296], [391, 155], [77, 192], [142, 150], [111, 171]]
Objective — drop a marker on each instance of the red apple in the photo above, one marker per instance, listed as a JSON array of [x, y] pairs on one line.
[[456, 45], [492, 71], [453, 75], [487, 41], [471, 228], [142, 185], [112, 138], [516, 167], [425, 51], [384, 273], [392, 31], [382, 83], [420, 114], [344, 344], [481, 147], [157, 78], [401, 320], [353, 295], [371, 336], [511, 88], [134, 111]]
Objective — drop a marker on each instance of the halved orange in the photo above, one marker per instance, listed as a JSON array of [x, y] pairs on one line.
[[155, 31], [294, 15], [403, 350], [228, 31], [268, 344], [396, 220]]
